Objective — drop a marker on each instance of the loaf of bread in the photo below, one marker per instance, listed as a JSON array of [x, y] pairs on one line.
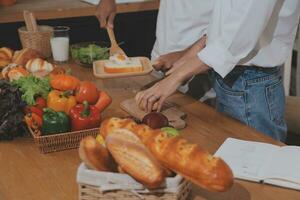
[[175, 153], [95, 155], [23, 56], [134, 158], [6, 55], [14, 72], [39, 67]]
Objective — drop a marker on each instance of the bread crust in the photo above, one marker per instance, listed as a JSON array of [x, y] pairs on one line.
[[175, 153], [134, 158], [113, 70], [6, 55], [23, 56], [95, 156]]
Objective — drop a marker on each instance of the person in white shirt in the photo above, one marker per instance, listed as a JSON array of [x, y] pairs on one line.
[[179, 26], [247, 42]]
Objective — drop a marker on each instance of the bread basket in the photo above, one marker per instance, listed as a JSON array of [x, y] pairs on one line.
[[61, 141], [96, 185], [38, 40]]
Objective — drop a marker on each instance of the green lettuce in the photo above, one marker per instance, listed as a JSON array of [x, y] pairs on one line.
[[90, 53], [32, 87]]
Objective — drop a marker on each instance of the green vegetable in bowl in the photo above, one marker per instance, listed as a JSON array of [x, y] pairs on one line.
[[90, 53]]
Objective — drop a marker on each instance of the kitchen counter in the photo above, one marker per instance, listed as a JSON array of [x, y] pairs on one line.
[[29, 175], [53, 9]]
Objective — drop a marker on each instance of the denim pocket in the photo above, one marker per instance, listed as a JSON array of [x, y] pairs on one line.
[[230, 102], [276, 102]]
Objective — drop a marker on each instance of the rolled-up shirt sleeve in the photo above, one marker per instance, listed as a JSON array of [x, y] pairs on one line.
[[237, 27]]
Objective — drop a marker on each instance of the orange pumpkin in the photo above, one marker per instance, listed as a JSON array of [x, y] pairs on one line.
[[64, 82]]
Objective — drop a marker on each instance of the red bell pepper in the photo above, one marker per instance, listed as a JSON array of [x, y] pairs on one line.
[[84, 116]]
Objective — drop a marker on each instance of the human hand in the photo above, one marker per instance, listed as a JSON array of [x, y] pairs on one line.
[[165, 62], [106, 12], [154, 97]]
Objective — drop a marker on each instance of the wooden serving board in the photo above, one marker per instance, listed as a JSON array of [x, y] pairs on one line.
[[175, 116], [98, 69]]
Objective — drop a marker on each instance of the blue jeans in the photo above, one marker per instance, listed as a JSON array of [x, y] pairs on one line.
[[257, 99]]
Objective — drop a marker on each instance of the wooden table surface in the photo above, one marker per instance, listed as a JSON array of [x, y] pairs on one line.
[[27, 174], [52, 9]]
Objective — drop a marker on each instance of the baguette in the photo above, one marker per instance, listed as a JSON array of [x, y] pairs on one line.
[[134, 158], [95, 155], [175, 153]]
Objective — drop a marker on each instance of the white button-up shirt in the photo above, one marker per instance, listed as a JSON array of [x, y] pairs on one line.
[[250, 32], [180, 23]]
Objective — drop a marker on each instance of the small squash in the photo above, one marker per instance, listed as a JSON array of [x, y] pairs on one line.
[[64, 82]]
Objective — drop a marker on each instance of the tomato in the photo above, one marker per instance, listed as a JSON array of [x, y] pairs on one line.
[[103, 101], [33, 109], [40, 102], [33, 120], [87, 91], [36, 110]]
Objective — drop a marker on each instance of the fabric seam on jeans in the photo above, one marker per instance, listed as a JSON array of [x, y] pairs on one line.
[[267, 77], [268, 98], [247, 108]]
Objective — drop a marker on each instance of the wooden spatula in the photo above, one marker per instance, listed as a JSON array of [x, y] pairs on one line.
[[114, 45]]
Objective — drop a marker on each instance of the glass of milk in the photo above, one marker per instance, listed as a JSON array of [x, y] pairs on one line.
[[60, 44]]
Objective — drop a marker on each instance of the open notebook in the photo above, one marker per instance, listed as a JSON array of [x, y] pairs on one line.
[[262, 162], [95, 2]]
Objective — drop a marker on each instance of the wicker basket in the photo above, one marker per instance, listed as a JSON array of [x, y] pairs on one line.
[[62, 141], [39, 41], [87, 191]]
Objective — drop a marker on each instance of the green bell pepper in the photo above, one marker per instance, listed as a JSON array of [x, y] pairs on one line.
[[55, 122]]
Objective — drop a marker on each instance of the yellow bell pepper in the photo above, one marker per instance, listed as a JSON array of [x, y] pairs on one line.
[[100, 139], [61, 101]]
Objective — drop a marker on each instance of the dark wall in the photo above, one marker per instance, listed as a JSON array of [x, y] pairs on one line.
[[136, 31]]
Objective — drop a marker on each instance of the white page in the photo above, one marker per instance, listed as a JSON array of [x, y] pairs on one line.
[[283, 183], [246, 158], [285, 165], [95, 2]]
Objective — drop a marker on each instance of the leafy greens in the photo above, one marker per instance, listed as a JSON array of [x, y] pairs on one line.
[[11, 111], [90, 53], [32, 87]]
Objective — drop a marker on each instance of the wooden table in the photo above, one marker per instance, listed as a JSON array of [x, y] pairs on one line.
[[27, 174], [53, 9]]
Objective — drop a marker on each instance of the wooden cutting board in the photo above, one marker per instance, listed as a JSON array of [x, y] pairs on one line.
[[175, 116]]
